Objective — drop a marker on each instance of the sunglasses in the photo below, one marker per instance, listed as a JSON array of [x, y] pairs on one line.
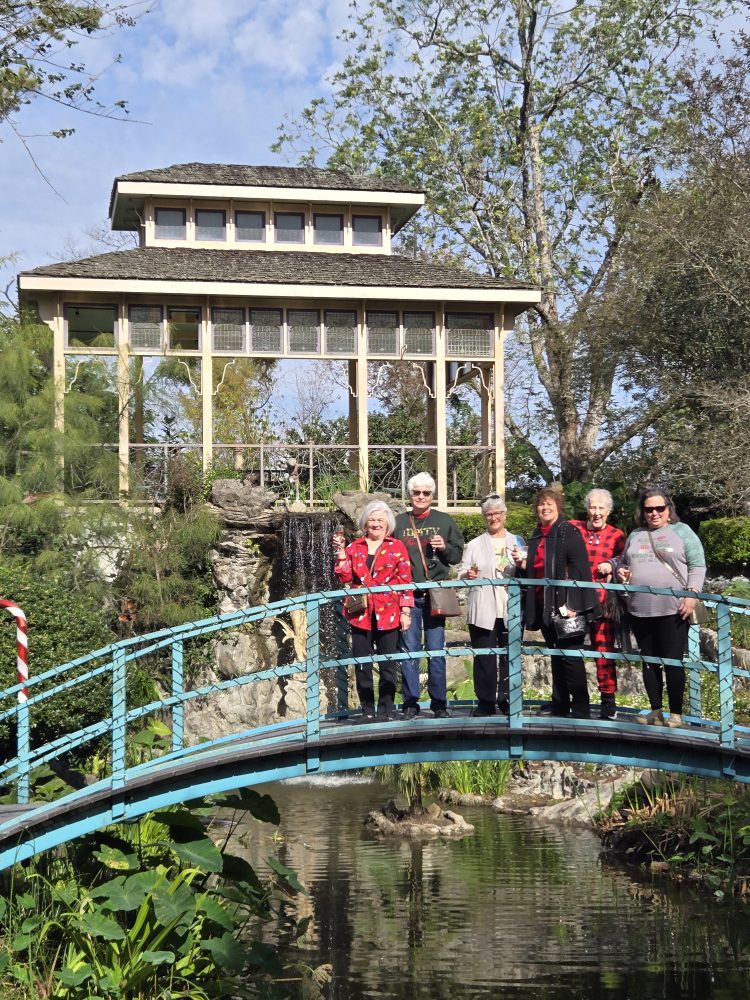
[[658, 509], [421, 493], [492, 496]]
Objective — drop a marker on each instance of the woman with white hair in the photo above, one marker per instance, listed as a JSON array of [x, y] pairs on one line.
[[603, 542], [434, 543], [375, 559], [489, 556]]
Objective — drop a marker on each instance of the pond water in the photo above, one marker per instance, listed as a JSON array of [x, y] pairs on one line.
[[520, 909]]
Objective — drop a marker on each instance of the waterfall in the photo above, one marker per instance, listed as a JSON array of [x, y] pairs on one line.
[[306, 568]]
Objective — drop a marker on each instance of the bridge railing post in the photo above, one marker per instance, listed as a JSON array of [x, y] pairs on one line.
[[726, 673], [694, 676], [119, 723], [178, 688], [312, 668], [515, 665]]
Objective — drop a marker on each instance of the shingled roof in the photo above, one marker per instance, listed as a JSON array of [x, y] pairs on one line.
[[252, 176], [273, 267]]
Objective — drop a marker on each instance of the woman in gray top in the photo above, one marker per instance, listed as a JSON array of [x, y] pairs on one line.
[[490, 556], [661, 552]]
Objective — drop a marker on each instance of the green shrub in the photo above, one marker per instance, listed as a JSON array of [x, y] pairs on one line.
[[726, 541], [62, 625], [521, 520]]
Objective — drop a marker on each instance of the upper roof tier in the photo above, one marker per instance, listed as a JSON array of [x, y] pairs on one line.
[[215, 181]]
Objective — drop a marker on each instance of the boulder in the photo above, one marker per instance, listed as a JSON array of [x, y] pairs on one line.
[[240, 504], [352, 502]]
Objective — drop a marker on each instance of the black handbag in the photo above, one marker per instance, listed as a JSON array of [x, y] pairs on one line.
[[568, 629]]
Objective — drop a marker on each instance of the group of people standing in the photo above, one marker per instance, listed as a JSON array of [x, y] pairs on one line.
[[423, 544]]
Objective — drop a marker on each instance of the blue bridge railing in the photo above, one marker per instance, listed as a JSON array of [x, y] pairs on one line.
[[165, 652]]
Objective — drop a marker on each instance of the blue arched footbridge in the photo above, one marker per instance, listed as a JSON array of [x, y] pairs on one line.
[[330, 737]]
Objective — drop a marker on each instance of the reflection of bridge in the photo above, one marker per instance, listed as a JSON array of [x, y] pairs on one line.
[[711, 744]]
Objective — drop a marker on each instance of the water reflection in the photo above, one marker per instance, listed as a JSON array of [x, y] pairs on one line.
[[518, 910]]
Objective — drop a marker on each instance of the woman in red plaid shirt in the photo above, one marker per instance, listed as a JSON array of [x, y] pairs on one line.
[[603, 541]]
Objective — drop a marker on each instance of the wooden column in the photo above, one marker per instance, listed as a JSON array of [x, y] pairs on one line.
[[207, 393], [361, 402], [441, 427], [123, 402], [58, 354], [503, 323]]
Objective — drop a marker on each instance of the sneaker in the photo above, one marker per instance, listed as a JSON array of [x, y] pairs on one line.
[[441, 713], [608, 708], [546, 708], [368, 711], [411, 711], [674, 721], [654, 718]]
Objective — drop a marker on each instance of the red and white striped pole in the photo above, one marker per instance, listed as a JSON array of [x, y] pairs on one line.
[[22, 646], [23, 730]]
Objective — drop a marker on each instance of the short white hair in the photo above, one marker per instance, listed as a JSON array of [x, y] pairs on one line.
[[602, 493], [371, 508], [423, 479]]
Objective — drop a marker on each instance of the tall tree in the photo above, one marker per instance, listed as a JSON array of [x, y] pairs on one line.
[[536, 130], [36, 41]]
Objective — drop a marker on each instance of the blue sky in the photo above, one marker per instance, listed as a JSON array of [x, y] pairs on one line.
[[209, 79]]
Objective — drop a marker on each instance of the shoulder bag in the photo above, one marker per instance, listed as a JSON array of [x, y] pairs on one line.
[[443, 601], [356, 603], [699, 614]]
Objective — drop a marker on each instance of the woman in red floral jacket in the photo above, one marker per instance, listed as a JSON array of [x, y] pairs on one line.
[[374, 560]]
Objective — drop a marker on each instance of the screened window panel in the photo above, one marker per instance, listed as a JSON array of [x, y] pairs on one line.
[[469, 335], [91, 326], [250, 226], [367, 231], [419, 332], [382, 332], [265, 330], [228, 329], [290, 227], [145, 326], [304, 330], [184, 329], [170, 224], [328, 230], [210, 224], [341, 331]]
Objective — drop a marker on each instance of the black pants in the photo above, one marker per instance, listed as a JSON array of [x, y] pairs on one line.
[[365, 642], [665, 636], [570, 693], [490, 670]]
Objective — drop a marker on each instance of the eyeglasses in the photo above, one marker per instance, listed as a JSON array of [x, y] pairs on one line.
[[492, 496], [421, 493], [658, 509]]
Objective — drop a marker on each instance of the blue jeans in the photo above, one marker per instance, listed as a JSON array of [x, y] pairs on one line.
[[411, 642]]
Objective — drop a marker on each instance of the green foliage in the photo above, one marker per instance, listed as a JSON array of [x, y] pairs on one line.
[[412, 780], [156, 908], [166, 572], [483, 777], [29, 32], [726, 541], [62, 625], [696, 826]]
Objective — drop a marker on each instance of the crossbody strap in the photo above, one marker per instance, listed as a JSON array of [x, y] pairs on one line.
[[419, 546], [663, 559]]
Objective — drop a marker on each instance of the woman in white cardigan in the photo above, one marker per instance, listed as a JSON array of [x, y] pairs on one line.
[[489, 557]]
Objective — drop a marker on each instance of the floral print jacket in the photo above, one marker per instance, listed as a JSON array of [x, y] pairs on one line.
[[391, 565]]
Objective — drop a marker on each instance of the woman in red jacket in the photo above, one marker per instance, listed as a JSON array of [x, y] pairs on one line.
[[374, 560]]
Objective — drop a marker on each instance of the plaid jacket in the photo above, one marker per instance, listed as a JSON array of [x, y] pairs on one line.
[[600, 547], [391, 565]]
